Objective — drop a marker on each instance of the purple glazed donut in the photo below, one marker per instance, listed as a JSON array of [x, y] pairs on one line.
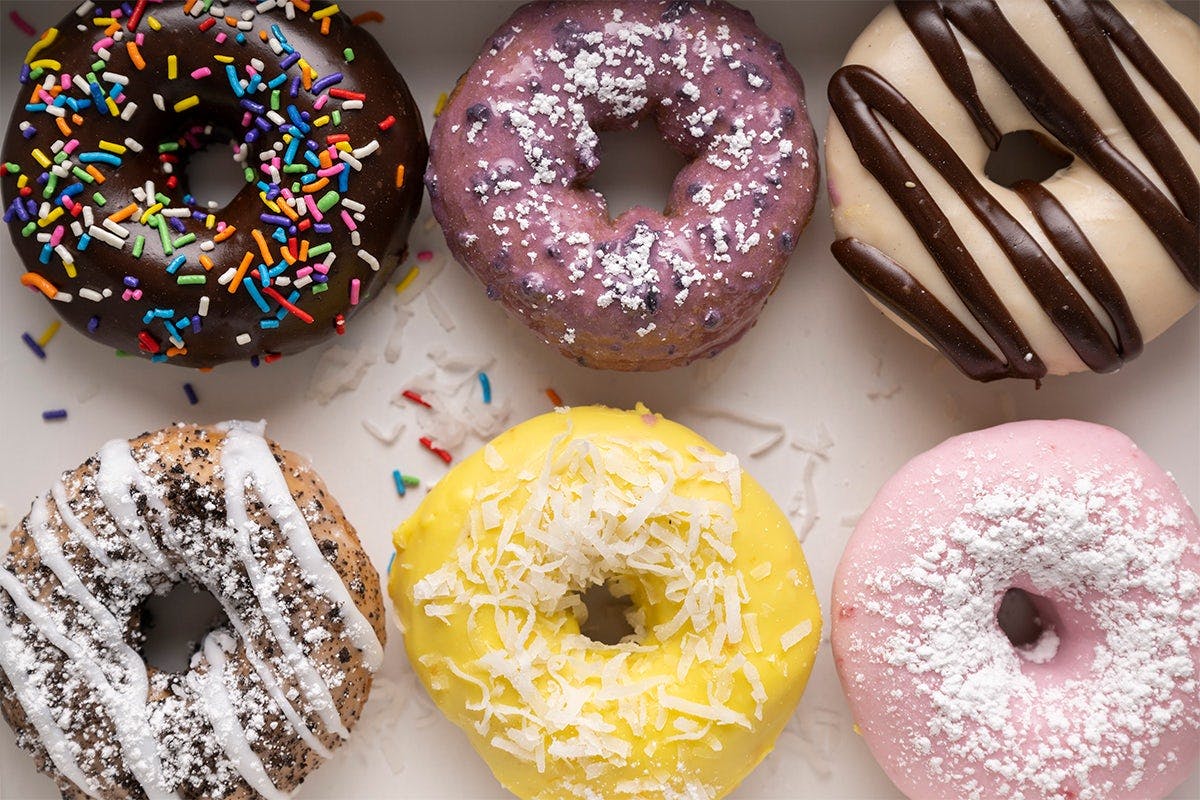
[[517, 141]]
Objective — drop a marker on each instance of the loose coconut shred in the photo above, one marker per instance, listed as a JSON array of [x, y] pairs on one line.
[[596, 513]]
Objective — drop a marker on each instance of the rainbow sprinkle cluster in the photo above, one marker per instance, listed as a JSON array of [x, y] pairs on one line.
[[303, 172]]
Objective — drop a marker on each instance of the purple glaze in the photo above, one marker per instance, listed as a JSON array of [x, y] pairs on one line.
[[513, 149]]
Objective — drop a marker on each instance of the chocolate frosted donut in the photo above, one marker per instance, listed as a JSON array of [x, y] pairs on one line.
[[120, 95], [1075, 272], [516, 143]]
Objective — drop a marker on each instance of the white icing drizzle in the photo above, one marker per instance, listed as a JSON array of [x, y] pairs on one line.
[[271, 682], [246, 453], [210, 688], [246, 461], [117, 477], [126, 709], [315, 689], [76, 527], [57, 745]]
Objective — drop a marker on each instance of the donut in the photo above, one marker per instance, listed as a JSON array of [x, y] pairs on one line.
[[511, 154], [490, 581], [269, 692], [1075, 272], [1015, 615], [118, 98]]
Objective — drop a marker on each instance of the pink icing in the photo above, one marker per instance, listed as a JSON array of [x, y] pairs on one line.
[[517, 141], [1105, 704]]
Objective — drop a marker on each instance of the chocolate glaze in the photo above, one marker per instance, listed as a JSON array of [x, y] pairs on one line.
[[383, 231], [861, 98]]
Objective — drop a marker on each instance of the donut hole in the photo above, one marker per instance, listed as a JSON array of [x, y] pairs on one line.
[[211, 175], [635, 168], [1030, 624], [603, 611], [1025, 156], [174, 624]]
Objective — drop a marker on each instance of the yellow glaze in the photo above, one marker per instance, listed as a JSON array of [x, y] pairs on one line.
[[485, 579]]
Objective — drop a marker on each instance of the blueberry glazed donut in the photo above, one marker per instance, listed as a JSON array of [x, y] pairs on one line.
[[1017, 614], [269, 693], [490, 580], [119, 96], [517, 141], [1022, 279]]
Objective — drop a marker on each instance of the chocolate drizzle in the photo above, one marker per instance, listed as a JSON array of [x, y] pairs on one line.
[[863, 99]]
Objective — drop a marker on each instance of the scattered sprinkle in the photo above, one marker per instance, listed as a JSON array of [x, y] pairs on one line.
[[52, 414], [32, 344], [485, 384], [190, 391], [22, 24], [554, 398], [48, 334], [407, 280], [408, 394], [428, 444]]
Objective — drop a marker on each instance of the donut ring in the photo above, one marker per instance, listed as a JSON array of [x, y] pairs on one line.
[[267, 696], [1073, 273], [516, 143], [486, 584], [1098, 699], [96, 192]]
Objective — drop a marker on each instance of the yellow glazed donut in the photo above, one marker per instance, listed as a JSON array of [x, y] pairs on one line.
[[487, 583]]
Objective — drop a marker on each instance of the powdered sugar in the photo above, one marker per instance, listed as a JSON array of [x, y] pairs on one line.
[[1095, 692]]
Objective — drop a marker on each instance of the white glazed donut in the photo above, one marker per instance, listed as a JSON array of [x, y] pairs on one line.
[[1072, 273]]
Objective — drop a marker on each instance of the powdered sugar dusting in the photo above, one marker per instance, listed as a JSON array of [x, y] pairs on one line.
[[1080, 713], [264, 697]]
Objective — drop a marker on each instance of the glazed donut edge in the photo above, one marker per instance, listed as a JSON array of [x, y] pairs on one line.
[[1092, 702], [691, 722], [137, 519], [648, 290]]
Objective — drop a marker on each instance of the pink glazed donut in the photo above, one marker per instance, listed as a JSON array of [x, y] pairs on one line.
[[1088, 554], [517, 141]]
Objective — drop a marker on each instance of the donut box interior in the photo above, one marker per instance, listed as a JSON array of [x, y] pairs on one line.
[[823, 400]]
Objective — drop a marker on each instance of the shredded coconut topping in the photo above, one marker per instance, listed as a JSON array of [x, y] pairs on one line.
[[598, 512]]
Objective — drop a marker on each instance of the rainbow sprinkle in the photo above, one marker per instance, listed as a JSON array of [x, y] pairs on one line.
[[404, 482], [428, 444], [21, 24], [49, 334], [190, 392], [485, 383], [412, 396], [33, 345], [54, 414]]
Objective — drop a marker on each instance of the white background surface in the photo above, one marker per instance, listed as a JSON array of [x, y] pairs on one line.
[[821, 362]]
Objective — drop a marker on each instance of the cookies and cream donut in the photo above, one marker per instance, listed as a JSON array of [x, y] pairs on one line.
[[1017, 614], [116, 100], [722, 620], [269, 693], [513, 149], [1075, 272]]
